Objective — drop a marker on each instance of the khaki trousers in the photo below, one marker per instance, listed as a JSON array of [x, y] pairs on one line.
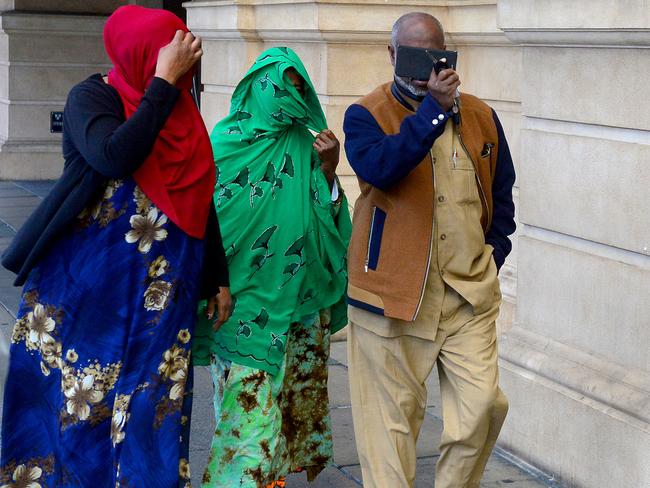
[[387, 384]]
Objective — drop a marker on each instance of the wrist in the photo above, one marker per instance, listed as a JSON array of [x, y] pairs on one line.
[[327, 170], [169, 78]]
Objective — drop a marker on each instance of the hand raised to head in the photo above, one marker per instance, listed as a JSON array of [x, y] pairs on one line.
[[443, 86], [177, 58]]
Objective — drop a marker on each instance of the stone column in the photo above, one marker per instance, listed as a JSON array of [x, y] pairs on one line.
[[576, 365], [46, 47]]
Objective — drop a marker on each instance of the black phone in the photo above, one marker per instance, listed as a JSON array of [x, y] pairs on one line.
[[417, 63]]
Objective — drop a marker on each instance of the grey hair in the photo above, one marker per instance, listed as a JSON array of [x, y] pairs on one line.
[[409, 16]]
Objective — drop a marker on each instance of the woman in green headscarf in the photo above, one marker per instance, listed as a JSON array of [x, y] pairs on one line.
[[286, 227]]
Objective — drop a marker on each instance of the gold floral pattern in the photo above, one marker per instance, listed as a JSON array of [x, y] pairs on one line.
[[40, 326], [174, 369], [184, 469], [147, 229], [37, 329], [120, 418], [175, 361], [103, 211], [14, 475], [158, 267], [71, 356], [51, 356], [80, 396], [156, 296], [24, 477], [143, 204], [184, 336]]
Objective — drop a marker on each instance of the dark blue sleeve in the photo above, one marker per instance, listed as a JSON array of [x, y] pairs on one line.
[[383, 160], [94, 121], [503, 218]]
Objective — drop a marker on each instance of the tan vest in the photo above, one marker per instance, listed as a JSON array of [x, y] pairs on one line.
[[396, 286]]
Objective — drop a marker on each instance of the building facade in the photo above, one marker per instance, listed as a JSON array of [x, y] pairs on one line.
[[569, 82]]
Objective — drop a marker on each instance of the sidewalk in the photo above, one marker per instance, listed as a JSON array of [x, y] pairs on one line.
[[18, 199]]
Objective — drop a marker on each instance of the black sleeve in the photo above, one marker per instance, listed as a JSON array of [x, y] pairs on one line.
[[215, 267], [95, 123], [503, 219]]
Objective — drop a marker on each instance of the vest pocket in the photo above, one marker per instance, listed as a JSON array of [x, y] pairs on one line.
[[374, 238], [464, 181]]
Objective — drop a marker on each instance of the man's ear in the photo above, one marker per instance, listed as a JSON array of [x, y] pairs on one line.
[[391, 52]]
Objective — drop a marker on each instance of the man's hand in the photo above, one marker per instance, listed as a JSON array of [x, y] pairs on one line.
[[176, 58], [443, 86], [328, 148], [223, 303]]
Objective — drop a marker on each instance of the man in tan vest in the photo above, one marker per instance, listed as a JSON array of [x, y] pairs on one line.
[[430, 232]]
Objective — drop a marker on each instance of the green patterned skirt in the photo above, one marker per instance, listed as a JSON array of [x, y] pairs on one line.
[[268, 426]]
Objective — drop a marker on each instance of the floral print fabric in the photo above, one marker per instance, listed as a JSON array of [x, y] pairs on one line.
[[270, 425], [99, 385]]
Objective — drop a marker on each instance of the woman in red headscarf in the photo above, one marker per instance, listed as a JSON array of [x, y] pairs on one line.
[[99, 383]]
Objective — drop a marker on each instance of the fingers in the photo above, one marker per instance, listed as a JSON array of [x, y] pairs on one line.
[[328, 134], [321, 146], [224, 305], [188, 38], [446, 74], [178, 36], [327, 139], [209, 310]]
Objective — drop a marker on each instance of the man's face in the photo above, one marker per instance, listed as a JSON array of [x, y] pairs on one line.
[[421, 33]]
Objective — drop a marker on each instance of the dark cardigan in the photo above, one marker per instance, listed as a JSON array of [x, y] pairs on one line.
[[99, 145]]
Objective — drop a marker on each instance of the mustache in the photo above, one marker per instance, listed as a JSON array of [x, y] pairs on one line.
[[407, 84]]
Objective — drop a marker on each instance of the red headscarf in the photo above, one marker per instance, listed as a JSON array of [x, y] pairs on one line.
[[178, 176]]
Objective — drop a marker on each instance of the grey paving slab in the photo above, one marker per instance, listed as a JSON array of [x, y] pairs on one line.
[[434, 402], [40, 188], [6, 326], [424, 476], [339, 352], [13, 191], [10, 298], [429, 440], [16, 221], [203, 424], [329, 478], [30, 201], [202, 427], [338, 386], [498, 474], [6, 240], [6, 231], [15, 211], [345, 450]]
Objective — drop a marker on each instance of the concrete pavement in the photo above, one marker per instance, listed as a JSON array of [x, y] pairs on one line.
[[18, 199]]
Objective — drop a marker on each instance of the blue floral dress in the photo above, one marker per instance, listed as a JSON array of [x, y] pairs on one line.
[[98, 392]]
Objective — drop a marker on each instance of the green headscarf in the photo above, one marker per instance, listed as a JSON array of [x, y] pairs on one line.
[[285, 241]]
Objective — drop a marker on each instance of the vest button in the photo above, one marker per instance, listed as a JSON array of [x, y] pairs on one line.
[[443, 237], [441, 199]]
